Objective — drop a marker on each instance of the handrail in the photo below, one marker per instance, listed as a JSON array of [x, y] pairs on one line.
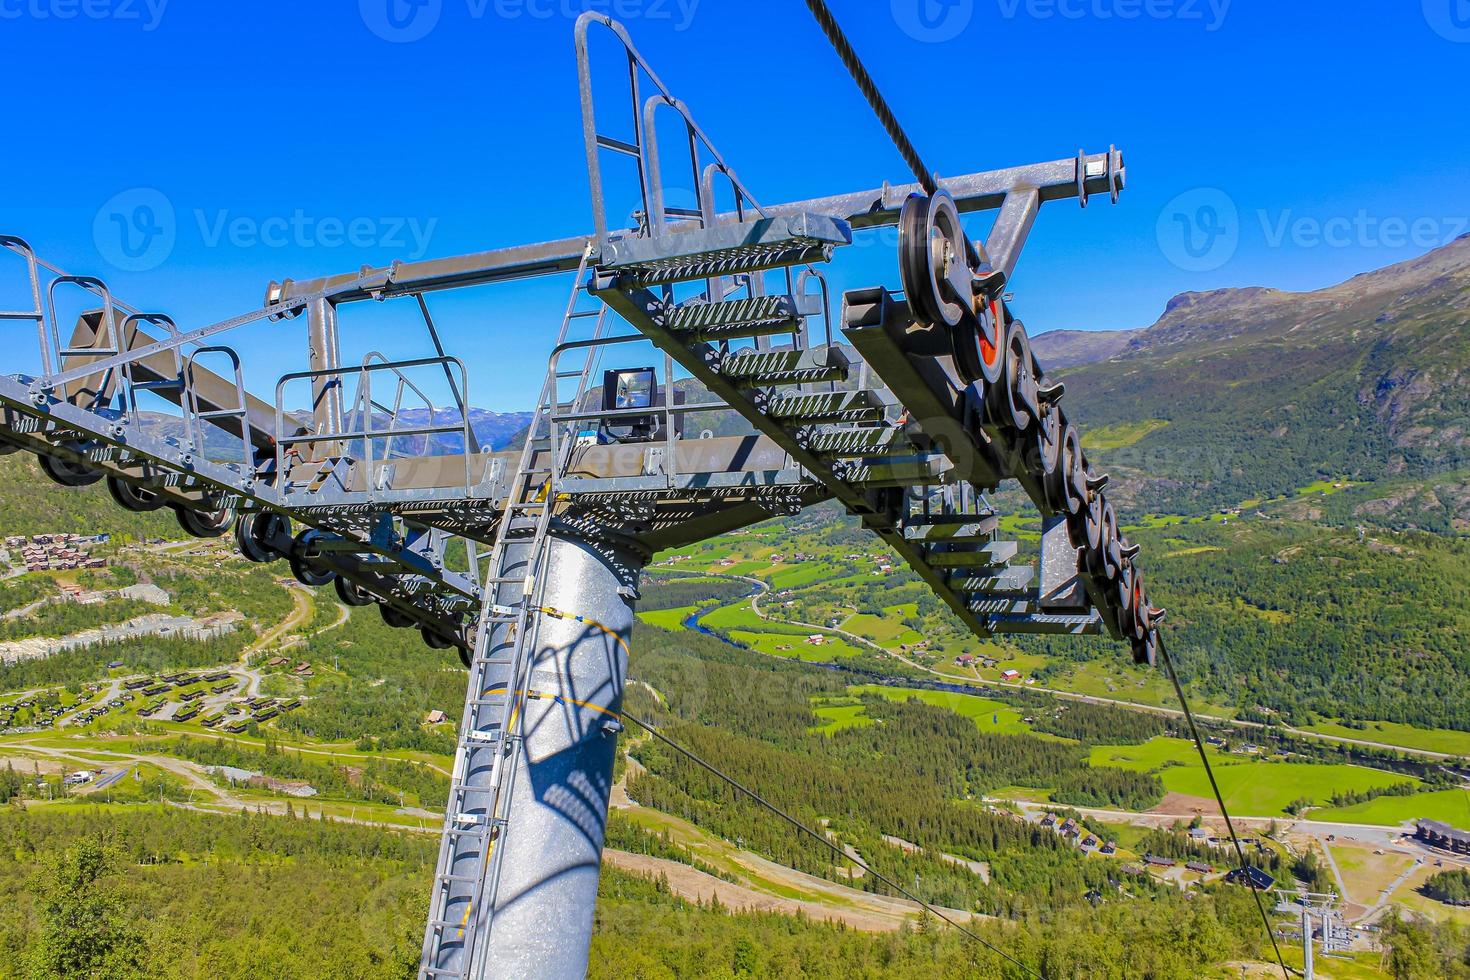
[[189, 401], [22, 248], [636, 63], [375, 362]]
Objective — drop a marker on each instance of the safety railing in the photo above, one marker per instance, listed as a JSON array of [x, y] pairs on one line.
[[365, 412], [644, 150], [193, 415], [37, 313], [563, 426]]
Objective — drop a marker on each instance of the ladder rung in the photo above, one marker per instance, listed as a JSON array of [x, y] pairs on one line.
[[479, 831], [582, 314], [89, 351], [446, 924], [19, 315], [232, 413], [463, 879], [617, 145]]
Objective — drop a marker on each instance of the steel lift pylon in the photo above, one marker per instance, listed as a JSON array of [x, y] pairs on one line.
[[909, 407]]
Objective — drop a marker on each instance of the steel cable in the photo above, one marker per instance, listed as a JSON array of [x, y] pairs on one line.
[[821, 839], [1220, 798], [869, 88]]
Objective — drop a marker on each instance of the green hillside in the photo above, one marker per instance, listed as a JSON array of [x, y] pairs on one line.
[[1265, 392], [32, 504]]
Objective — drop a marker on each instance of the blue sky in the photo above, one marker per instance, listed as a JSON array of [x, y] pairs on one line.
[[1293, 143]]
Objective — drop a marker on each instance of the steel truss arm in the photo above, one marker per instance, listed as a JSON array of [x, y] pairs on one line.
[[1059, 180]]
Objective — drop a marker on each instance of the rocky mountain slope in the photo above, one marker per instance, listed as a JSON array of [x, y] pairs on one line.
[[1061, 349]]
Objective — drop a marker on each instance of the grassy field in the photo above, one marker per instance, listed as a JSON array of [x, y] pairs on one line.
[[1409, 897], [840, 716], [795, 646], [1264, 789], [1366, 873], [1156, 754], [790, 576], [887, 630], [1390, 733], [989, 716], [741, 617], [668, 619], [1451, 806], [1122, 435]]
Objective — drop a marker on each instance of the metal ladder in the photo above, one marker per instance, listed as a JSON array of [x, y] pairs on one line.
[[488, 755]]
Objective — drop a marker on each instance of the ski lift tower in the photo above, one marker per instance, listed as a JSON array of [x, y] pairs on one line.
[[743, 389]]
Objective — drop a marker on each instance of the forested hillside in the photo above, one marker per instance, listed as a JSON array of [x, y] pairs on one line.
[[1260, 392], [1308, 621]]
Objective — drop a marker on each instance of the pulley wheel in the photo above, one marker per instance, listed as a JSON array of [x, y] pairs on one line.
[[1049, 452], [1142, 617], [67, 473], [1074, 471], [205, 523], [394, 618], [1111, 551], [255, 532], [933, 260], [139, 500], [1016, 403], [434, 641], [1093, 517], [351, 593], [300, 558], [979, 354], [1122, 597]]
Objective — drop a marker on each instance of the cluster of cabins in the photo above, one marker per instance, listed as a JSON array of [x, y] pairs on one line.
[[56, 552], [302, 669], [1071, 830], [98, 710], [41, 717], [256, 711]]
